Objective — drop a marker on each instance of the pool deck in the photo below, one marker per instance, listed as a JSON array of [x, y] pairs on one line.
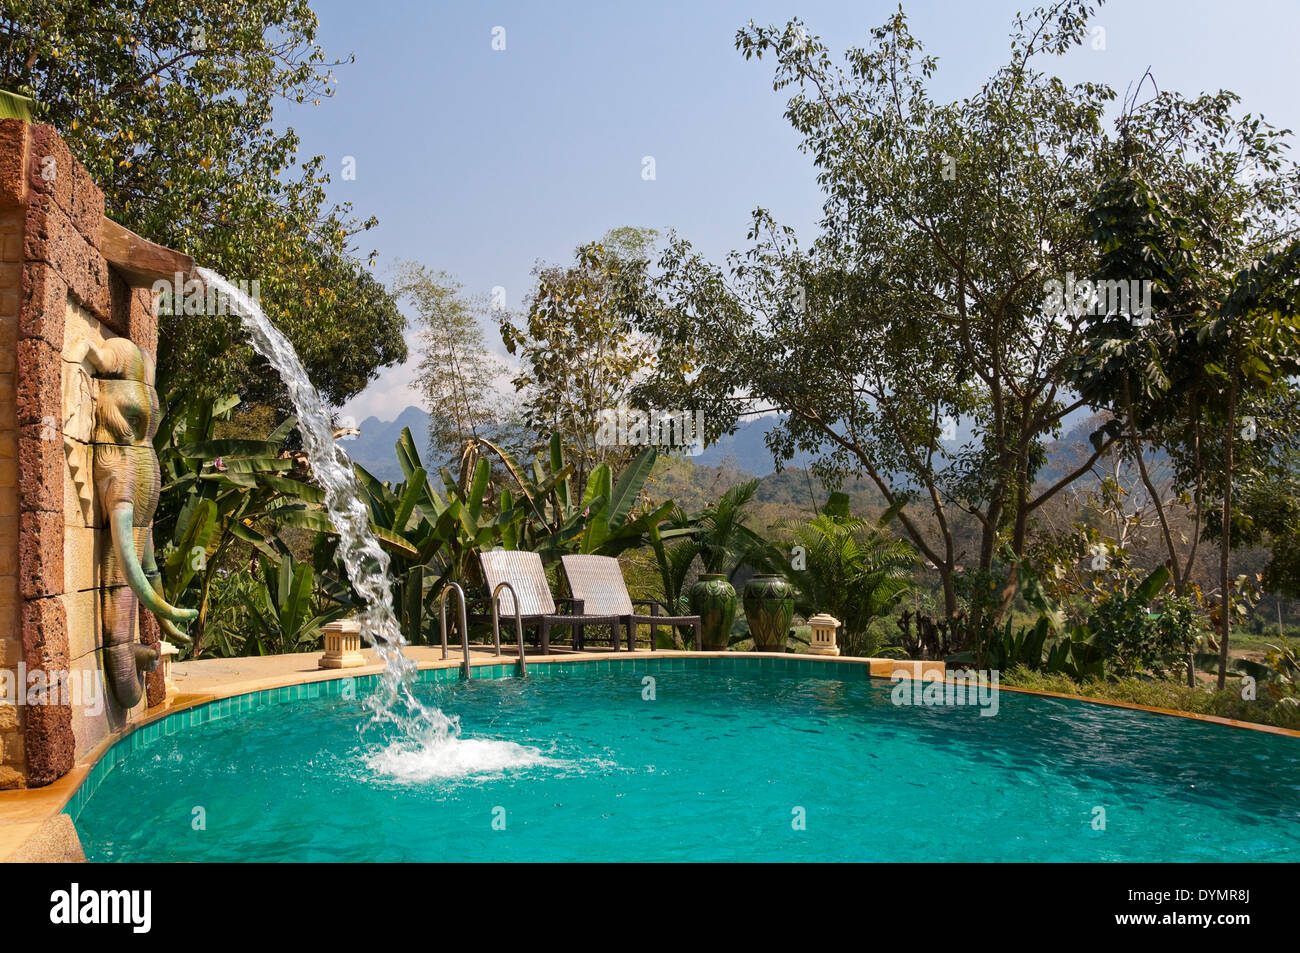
[[34, 829]]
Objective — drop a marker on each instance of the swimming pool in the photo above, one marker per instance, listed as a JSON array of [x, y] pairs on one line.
[[690, 759]]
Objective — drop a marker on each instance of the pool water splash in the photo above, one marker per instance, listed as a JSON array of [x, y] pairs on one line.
[[454, 757], [428, 738]]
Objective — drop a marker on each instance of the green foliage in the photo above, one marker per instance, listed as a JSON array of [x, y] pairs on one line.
[[430, 540], [852, 569], [1077, 655], [723, 540], [1284, 660], [281, 613], [1277, 675], [1020, 649], [13, 106], [578, 354], [1136, 640], [1267, 513], [716, 536], [675, 561], [1160, 693], [555, 521], [219, 498], [1123, 637], [170, 107], [433, 538], [1199, 203]]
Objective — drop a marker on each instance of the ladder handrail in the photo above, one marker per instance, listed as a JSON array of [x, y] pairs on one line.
[[464, 623], [519, 624]]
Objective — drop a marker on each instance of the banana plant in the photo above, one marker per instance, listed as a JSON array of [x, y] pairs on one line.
[[1023, 647], [216, 493], [433, 535], [1079, 655], [431, 538], [556, 521], [282, 614]]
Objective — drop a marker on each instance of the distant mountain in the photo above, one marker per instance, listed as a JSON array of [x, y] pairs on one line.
[[744, 451], [373, 449]]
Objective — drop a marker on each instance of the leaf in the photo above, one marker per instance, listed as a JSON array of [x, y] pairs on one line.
[[629, 486]]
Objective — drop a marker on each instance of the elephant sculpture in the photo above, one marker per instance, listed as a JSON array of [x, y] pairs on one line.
[[127, 483]]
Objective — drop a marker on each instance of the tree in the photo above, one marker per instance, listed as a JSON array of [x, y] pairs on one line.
[[1199, 206], [169, 106], [456, 370], [580, 355], [1268, 514], [1257, 329], [921, 303]]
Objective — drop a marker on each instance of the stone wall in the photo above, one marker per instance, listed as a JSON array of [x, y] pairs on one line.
[[12, 756], [55, 288]]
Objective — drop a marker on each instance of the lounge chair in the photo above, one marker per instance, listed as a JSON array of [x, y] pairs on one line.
[[526, 575], [597, 582]]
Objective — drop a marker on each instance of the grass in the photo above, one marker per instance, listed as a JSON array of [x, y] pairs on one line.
[[1164, 693]]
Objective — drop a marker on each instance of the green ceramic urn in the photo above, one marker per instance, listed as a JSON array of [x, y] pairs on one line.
[[713, 599], [769, 609]]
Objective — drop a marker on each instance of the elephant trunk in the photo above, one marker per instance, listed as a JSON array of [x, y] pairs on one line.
[[125, 659], [123, 522], [123, 663]]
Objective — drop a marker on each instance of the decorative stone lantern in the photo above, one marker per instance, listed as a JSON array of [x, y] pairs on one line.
[[823, 634], [168, 652], [343, 645]]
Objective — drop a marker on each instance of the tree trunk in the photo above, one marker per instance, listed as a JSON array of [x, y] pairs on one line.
[[1225, 614], [1166, 531], [949, 591]]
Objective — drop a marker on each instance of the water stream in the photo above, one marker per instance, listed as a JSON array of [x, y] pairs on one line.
[[426, 740]]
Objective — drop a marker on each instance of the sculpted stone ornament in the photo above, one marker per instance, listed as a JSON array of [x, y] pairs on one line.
[[126, 486]]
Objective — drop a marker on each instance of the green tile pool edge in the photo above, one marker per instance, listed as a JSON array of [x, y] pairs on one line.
[[222, 708]]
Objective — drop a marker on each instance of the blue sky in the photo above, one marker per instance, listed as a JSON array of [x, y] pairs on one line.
[[481, 162]]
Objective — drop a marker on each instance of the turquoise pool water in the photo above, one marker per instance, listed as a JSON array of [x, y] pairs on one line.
[[721, 765]]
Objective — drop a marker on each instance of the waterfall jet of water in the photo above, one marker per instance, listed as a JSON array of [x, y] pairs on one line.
[[359, 552]]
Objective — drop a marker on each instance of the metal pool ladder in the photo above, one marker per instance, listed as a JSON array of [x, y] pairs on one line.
[[522, 667], [464, 624]]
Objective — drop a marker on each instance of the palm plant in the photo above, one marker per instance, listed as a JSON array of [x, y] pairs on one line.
[[852, 569], [675, 561], [430, 540], [724, 542], [717, 536]]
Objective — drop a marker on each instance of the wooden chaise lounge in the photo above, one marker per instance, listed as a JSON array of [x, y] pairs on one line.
[[527, 576], [597, 583]]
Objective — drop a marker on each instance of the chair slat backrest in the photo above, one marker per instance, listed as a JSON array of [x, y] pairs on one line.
[[598, 582], [524, 572]]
